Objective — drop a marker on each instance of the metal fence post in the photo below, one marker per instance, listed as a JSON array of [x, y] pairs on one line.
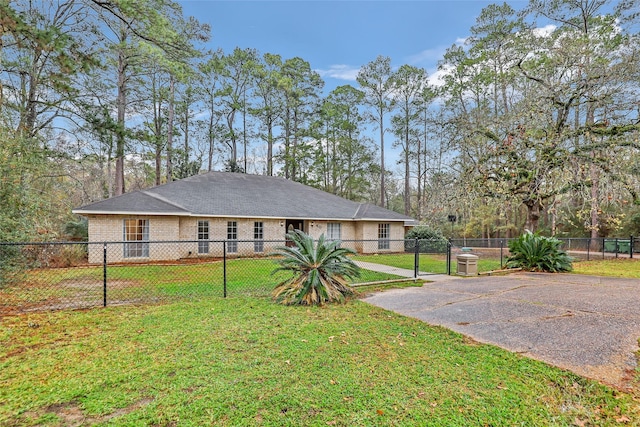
[[588, 248], [416, 260], [631, 246], [104, 274], [603, 248], [449, 257], [224, 267], [501, 254], [617, 248]]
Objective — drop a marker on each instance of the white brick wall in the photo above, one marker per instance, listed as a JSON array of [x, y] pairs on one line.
[[109, 228], [370, 234], [218, 231]]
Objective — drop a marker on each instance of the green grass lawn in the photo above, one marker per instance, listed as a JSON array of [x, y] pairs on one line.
[[83, 286], [428, 263], [621, 267], [246, 361]]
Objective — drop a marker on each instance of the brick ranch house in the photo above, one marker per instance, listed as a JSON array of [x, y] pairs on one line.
[[254, 210]]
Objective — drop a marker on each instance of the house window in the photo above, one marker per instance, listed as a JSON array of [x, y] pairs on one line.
[[203, 237], [383, 236], [136, 235], [232, 236], [258, 235], [334, 231]]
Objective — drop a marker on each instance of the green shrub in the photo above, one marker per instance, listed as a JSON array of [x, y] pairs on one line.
[[77, 230], [320, 271], [538, 253], [10, 264], [424, 232], [430, 240]]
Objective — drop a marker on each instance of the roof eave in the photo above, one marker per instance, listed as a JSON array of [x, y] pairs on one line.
[[381, 219], [189, 214], [90, 212]]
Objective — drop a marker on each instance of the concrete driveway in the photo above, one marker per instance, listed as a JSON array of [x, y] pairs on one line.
[[589, 325]]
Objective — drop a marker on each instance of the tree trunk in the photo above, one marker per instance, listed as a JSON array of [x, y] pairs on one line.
[[269, 148], [157, 120], [382, 190], [407, 175], [554, 217], [294, 147], [211, 137], [158, 161], [170, 129], [595, 205], [121, 104], [231, 118], [29, 114], [244, 127], [533, 215], [287, 145], [108, 177], [185, 165], [594, 177]]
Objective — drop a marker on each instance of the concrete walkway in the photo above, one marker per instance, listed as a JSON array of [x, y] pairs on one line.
[[586, 324], [403, 272]]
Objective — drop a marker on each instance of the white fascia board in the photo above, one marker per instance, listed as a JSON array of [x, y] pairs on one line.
[[195, 215], [84, 212], [381, 220]]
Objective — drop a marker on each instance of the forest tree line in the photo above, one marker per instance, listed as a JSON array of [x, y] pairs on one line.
[[532, 122]]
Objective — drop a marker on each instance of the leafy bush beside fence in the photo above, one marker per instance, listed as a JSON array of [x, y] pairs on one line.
[[10, 264], [538, 253], [430, 241]]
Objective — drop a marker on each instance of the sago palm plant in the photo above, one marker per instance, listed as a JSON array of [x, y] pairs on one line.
[[319, 271], [538, 253]]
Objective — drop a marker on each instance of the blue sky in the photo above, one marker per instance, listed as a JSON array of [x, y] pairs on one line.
[[338, 37]]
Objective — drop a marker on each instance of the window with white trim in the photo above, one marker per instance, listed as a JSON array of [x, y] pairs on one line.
[[232, 236], [334, 231], [203, 237], [135, 233], [384, 232], [258, 236]]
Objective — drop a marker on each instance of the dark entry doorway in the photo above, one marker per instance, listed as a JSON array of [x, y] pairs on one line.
[[293, 224]]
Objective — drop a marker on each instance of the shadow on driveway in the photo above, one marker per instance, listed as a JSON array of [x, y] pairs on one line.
[[589, 325]]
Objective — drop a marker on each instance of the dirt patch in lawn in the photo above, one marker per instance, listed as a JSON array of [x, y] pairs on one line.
[[71, 414]]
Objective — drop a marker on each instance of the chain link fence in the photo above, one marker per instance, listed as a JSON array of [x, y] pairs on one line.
[[580, 249], [75, 275]]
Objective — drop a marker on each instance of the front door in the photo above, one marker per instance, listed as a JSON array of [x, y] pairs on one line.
[[294, 224]]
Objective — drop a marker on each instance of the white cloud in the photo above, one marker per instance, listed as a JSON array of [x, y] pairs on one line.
[[462, 40], [544, 31], [427, 56], [436, 78], [340, 72]]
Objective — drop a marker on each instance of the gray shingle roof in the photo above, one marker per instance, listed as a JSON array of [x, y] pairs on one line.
[[225, 194]]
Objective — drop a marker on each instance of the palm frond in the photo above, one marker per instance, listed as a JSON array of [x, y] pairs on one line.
[[538, 253], [319, 271]]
